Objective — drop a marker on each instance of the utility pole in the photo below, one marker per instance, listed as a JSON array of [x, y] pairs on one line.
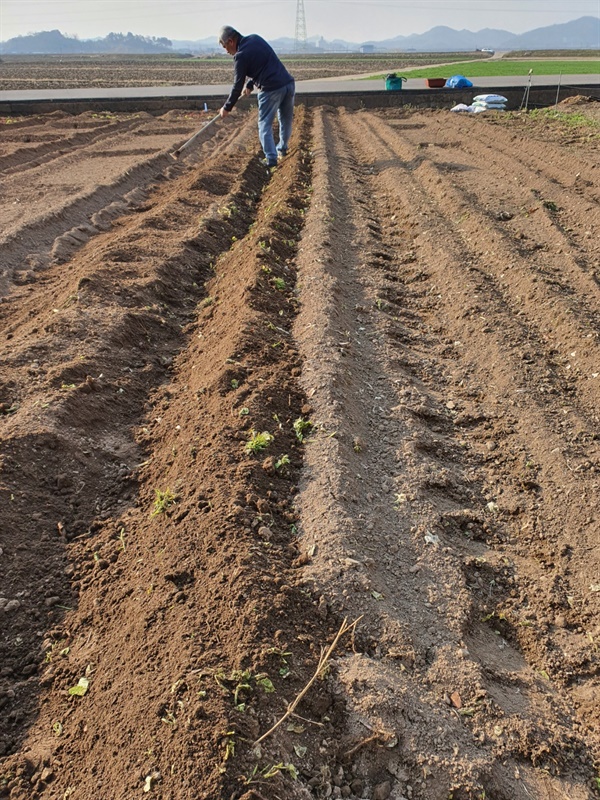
[[300, 37]]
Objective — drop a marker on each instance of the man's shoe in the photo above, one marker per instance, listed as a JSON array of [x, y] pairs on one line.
[[268, 164], [281, 154]]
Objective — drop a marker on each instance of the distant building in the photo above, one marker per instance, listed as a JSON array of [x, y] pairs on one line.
[[367, 48]]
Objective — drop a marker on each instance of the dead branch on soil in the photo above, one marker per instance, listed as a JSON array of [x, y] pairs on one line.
[[381, 737], [375, 738], [309, 721], [323, 661]]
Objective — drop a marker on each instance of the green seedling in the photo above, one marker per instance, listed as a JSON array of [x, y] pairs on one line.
[[284, 670], [243, 412], [169, 719], [265, 683], [266, 773], [400, 500], [493, 615], [228, 211], [241, 684], [163, 501], [281, 767], [258, 442], [301, 428], [266, 269], [54, 650], [550, 205], [234, 383], [208, 301], [121, 538], [282, 461], [229, 745], [80, 689], [279, 284]]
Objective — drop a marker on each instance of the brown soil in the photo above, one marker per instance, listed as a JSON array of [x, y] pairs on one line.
[[95, 72], [421, 289]]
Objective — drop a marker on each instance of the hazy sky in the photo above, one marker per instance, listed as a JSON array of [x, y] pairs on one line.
[[353, 20]]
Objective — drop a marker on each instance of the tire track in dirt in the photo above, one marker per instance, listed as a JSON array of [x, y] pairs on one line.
[[418, 447]]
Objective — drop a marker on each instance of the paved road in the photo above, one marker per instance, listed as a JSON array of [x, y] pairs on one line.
[[323, 86]]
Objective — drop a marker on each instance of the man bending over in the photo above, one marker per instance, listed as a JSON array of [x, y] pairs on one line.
[[256, 64]]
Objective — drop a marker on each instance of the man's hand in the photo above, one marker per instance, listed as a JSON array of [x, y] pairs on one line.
[[247, 92], [224, 113]]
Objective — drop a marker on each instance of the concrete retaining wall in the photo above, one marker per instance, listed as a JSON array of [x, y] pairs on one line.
[[540, 96]]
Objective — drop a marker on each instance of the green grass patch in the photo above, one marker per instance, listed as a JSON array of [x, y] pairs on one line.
[[502, 68], [572, 119]]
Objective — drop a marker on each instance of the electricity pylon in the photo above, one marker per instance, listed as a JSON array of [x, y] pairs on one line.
[[300, 36]]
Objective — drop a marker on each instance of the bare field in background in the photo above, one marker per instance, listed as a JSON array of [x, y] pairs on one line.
[[73, 72]]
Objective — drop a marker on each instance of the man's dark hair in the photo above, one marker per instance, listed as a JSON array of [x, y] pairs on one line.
[[227, 32]]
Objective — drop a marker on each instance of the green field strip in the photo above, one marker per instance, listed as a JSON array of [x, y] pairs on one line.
[[501, 68]]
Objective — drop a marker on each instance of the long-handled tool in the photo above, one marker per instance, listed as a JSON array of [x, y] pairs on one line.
[[176, 153], [525, 100]]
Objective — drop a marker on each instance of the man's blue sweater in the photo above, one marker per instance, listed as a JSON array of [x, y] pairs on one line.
[[256, 60]]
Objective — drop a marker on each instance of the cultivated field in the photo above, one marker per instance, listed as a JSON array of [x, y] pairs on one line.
[[80, 72], [240, 408]]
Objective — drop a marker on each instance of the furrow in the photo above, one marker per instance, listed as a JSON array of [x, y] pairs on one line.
[[541, 209], [26, 158], [574, 315], [400, 483], [74, 391], [530, 525], [56, 233]]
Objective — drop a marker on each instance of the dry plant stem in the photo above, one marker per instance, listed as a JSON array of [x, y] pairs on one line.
[[375, 738], [309, 721], [325, 656]]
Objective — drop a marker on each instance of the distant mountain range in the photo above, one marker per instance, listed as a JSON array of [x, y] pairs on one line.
[[579, 34], [54, 42]]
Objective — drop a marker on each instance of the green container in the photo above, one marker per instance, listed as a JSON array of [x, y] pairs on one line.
[[393, 83]]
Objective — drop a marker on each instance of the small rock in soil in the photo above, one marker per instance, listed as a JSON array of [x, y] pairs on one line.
[[382, 791]]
